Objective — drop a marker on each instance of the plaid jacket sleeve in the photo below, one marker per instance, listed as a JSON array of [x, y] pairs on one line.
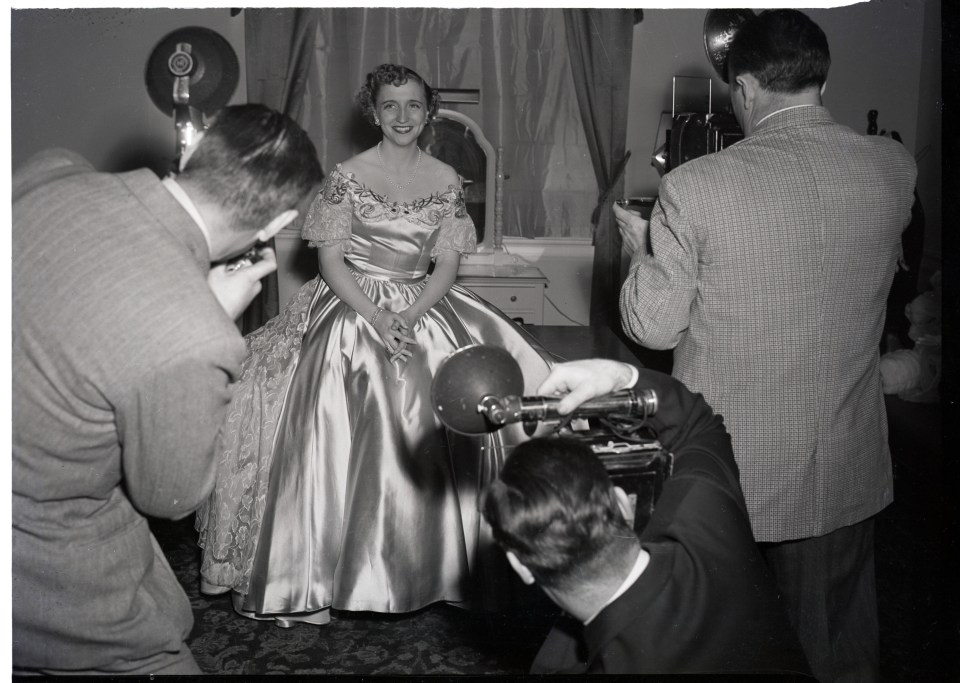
[[660, 287]]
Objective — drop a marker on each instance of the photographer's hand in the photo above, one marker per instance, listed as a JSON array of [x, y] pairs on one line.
[[235, 290], [633, 229], [581, 380]]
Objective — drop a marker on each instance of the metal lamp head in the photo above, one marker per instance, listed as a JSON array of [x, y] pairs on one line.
[[465, 378], [719, 28]]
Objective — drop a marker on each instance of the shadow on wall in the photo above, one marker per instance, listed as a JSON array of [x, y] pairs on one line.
[[134, 153]]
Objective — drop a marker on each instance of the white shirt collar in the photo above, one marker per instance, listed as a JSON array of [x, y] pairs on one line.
[[184, 199], [796, 106], [643, 559]]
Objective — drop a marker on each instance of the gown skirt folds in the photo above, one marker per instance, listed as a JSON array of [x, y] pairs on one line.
[[337, 485]]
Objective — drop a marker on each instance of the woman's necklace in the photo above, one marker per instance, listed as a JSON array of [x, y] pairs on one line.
[[412, 175]]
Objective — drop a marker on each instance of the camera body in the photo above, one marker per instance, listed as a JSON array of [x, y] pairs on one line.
[[694, 129], [695, 134], [246, 259], [635, 462]]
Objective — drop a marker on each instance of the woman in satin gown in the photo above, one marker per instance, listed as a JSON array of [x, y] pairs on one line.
[[337, 485]]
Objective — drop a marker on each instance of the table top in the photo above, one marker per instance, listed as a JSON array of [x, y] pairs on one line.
[[485, 271], [572, 342]]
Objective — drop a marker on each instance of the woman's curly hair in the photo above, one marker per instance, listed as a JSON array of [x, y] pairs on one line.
[[396, 75]]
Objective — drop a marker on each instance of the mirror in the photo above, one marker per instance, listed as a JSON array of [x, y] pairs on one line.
[[456, 139]]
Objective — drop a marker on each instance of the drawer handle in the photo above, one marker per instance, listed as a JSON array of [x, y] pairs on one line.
[[513, 298]]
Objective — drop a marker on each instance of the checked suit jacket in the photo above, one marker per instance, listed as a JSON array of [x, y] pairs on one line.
[[770, 267], [122, 363]]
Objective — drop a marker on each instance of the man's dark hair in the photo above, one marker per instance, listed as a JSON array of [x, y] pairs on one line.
[[553, 506], [396, 75], [783, 49], [255, 162]]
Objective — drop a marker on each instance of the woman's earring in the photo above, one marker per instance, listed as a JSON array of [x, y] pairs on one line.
[[376, 121]]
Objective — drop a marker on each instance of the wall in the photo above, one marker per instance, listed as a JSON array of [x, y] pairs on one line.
[[77, 81]]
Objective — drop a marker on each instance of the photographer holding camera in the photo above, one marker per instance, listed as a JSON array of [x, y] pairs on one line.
[[124, 349], [691, 594]]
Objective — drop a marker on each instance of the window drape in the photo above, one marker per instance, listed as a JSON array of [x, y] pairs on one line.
[[279, 56], [600, 43]]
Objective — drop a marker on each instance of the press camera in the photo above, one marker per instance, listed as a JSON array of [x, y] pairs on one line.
[[693, 134], [695, 128], [478, 390]]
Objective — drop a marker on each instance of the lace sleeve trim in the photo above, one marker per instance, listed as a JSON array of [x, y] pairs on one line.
[[329, 219], [457, 231]]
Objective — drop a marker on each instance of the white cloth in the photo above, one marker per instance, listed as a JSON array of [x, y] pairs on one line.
[[184, 200], [643, 559]]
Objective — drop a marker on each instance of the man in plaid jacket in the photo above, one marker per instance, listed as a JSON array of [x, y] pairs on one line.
[[768, 270]]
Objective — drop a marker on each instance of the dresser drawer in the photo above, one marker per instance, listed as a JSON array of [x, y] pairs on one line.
[[514, 298], [517, 290], [516, 301]]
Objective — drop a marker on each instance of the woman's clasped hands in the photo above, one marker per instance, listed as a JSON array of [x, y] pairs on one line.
[[394, 329]]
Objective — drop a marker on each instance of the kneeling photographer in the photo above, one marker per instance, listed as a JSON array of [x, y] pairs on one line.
[[690, 594]]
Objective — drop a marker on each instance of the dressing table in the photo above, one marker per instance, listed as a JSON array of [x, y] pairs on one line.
[[505, 280]]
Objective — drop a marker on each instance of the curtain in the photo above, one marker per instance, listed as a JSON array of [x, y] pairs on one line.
[[516, 58], [279, 57], [550, 186], [600, 43]]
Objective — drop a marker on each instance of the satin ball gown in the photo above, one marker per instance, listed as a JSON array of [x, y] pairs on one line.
[[337, 485]]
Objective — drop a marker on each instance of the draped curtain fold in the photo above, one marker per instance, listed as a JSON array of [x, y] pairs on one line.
[[600, 42], [279, 57]]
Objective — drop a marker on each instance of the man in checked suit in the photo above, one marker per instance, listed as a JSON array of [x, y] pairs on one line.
[[768, 271], [124, 347]]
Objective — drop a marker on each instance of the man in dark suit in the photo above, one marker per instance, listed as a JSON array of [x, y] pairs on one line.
[[124, 348], [691, 594]]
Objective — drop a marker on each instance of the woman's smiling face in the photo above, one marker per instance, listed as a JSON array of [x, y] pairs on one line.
[[403, 111]]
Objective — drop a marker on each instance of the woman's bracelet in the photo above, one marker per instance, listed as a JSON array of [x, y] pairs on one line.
[[376, 314]]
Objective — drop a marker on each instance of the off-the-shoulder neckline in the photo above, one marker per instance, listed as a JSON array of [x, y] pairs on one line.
[[352, 177]]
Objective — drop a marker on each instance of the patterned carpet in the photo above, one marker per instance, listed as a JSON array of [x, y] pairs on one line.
[[439, 640]]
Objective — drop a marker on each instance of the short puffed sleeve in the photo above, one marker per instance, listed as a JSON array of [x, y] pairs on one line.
[[457, 232], [330, 217]]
